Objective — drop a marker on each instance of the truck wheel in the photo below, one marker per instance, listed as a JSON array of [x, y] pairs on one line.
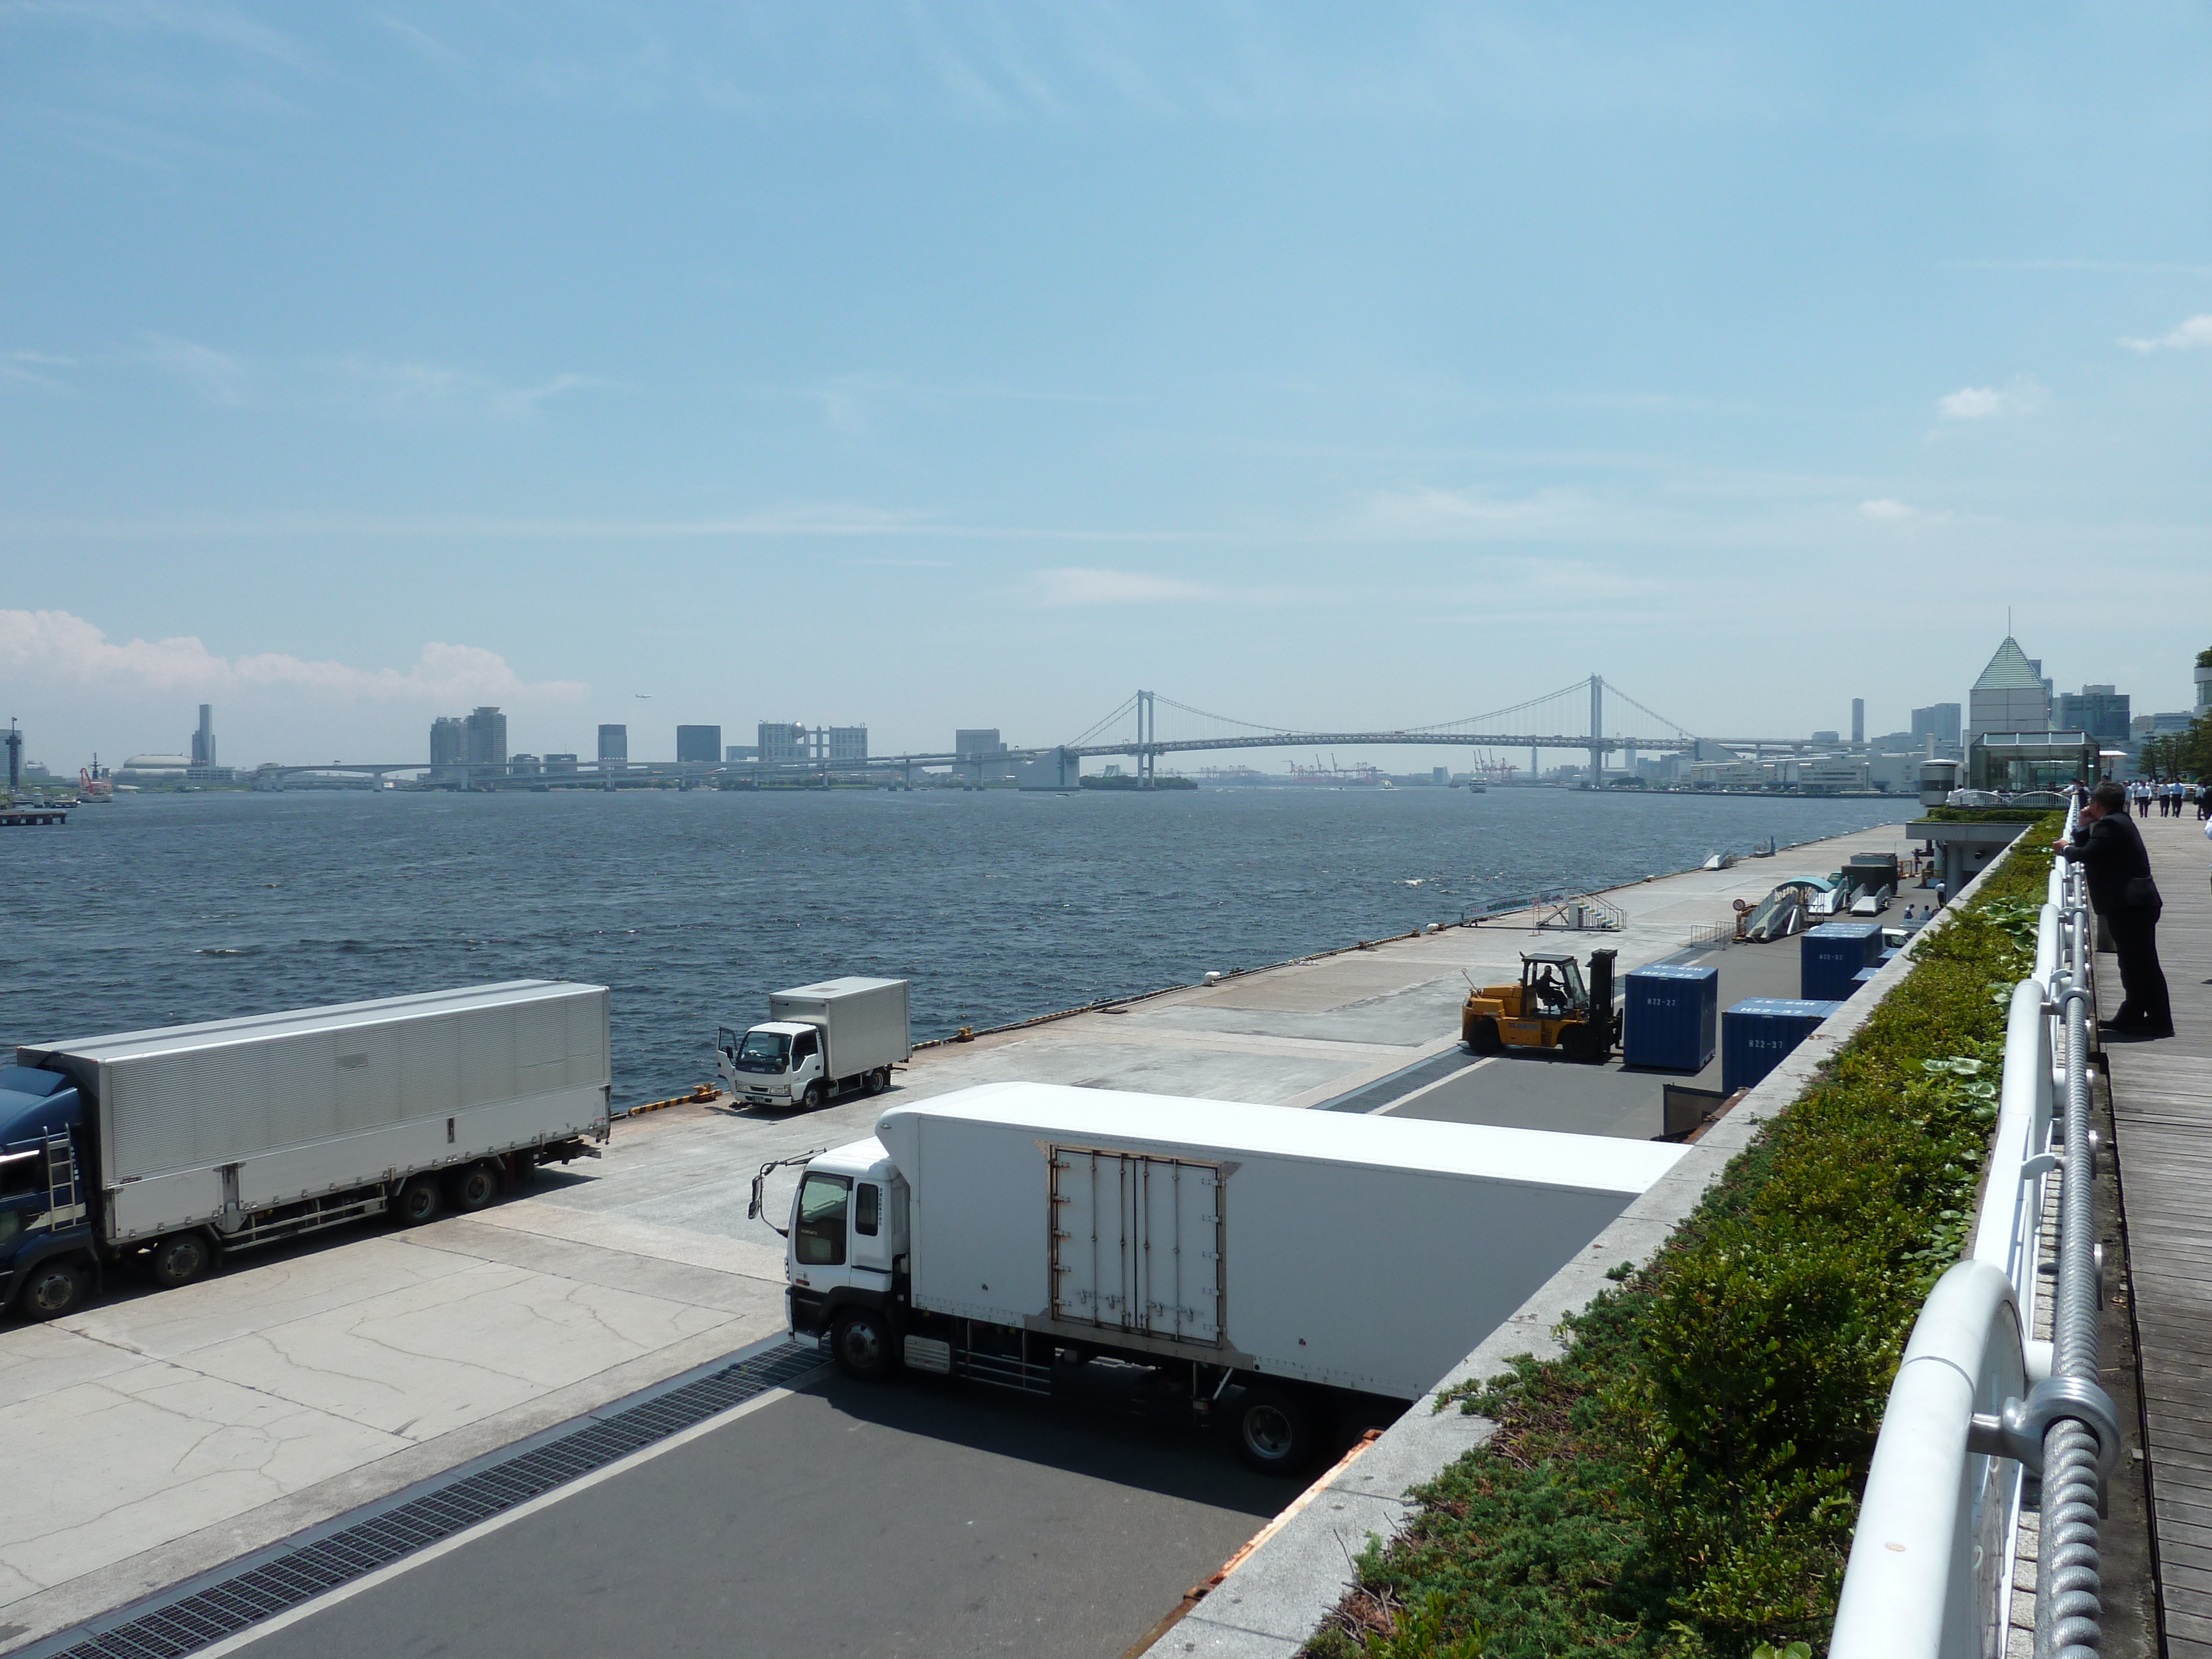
[[861, 1342], [1274, 1431], [178, 1260], [419, 1201], [1484, 1038], [51, 1290], [811, 1100], [879, 1079], [473, 1188]]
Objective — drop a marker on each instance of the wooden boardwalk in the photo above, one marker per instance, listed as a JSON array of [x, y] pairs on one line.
[[2162, 1134]]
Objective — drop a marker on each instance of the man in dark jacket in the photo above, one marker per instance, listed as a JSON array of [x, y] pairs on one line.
[[2109, 850]]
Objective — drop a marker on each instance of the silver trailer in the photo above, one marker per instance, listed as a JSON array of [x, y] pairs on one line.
[[1322, 1263], [194, 1139], [819, 1041]]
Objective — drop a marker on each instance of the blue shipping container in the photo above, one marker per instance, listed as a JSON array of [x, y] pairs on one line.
[[1865, 976], [1831, 954], [1756, 1035], [1672, 1020]]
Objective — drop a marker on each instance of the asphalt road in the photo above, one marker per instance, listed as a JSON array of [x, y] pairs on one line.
[[1523, 1090], [916, 1520]]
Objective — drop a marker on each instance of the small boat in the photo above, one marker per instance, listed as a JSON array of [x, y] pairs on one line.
[[1765, 852], [1719, 861]]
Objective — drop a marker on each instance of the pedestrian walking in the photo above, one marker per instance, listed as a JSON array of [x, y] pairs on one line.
[[2109, 850]]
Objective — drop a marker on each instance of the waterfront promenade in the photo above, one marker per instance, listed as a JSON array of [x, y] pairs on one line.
[[176, 1431], [2162, 1095]]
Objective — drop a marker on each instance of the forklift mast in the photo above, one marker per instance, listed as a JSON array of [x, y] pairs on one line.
[[1603, 1020]]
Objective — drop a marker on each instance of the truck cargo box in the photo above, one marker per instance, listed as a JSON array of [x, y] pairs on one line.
[[865, 1020], [198, 1121], [1364, 1253]]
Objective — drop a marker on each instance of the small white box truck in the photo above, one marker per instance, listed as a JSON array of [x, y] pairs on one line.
[[819, 1041], [172, 1146], [1326, 1267]]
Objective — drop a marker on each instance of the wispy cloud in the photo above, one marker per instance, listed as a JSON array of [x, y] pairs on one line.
[[1426, 512], [1076, 585], [1982, 403], [217, 376], [2196, 331], [59, 648], [24, 368], [1885, 510]]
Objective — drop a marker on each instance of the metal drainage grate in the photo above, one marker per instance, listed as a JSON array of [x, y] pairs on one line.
[[228, 1606]]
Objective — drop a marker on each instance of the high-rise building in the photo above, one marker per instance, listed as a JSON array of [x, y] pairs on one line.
[[614, 743], [734, 752], [1939, 721], [847, 743], [782, 743], [204, 740], [449, 749], [1858, 721], [560, 763], [977, 743], [702, 744], [2204, 682], [2011, 695], [2101, 711], [486, 740]]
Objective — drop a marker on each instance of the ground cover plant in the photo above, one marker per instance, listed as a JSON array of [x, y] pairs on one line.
[[1684, 1478]]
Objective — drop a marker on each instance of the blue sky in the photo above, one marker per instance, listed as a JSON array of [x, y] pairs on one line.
[[1325, 366]]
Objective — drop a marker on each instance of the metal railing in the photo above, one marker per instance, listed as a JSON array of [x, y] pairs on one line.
[[1980, 1409]]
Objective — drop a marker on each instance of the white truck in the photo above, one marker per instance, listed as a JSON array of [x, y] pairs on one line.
[[819, 1041], [1303, 1273], [169, 1147]]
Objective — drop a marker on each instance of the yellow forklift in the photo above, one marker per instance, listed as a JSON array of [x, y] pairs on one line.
[[1552, 1007]]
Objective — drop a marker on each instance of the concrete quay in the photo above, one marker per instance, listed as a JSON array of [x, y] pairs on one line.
[[176, 1431]]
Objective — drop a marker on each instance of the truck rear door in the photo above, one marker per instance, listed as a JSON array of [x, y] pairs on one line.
[[1137, 1243]]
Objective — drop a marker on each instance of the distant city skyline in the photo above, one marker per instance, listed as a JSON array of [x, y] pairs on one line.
[[1326, 368]]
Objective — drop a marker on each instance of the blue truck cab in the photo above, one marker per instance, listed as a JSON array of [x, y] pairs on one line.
[[49, 1260]]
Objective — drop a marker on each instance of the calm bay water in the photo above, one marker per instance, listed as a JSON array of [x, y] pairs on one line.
[[160, 910]]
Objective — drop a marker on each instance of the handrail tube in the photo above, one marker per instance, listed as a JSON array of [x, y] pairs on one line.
[[2005, 1232], [2047, 953], [1903, 1599]]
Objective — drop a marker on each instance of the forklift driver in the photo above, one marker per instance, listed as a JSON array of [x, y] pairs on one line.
[[1547, 989]]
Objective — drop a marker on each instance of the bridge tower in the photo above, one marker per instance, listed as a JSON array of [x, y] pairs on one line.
[[1148, 732], [1597, 730]]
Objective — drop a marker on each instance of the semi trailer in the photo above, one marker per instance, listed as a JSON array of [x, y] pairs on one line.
[[169, 1148], [836, 1038], [1299, 1275]]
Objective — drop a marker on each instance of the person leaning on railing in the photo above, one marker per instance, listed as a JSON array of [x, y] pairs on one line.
[[2109, 850]]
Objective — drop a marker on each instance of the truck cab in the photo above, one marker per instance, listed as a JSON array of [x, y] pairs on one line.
[[778, 1064], [47, 1259], [845, 1256]]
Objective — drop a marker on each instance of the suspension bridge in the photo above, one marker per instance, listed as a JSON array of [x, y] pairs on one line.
[[1590, 717]]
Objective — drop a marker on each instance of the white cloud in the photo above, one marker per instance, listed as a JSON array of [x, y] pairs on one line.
[[1981, 402], [2196, 331], [58, 647], [1078, 586]]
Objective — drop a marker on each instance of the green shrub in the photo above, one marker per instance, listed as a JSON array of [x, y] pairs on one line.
[[1683, 1479]]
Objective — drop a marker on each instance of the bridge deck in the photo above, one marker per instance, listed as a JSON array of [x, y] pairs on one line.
[[2162, 1136]]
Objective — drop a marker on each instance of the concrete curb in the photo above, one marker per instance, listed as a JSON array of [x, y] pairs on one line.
[[1278, 1596]]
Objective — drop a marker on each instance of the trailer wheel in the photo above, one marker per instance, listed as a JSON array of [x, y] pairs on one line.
[[51, 1290], [1484, 1038], [861, 1342], [419, 1201], [473, 1188], [179, 1259], [1274, 1431]]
